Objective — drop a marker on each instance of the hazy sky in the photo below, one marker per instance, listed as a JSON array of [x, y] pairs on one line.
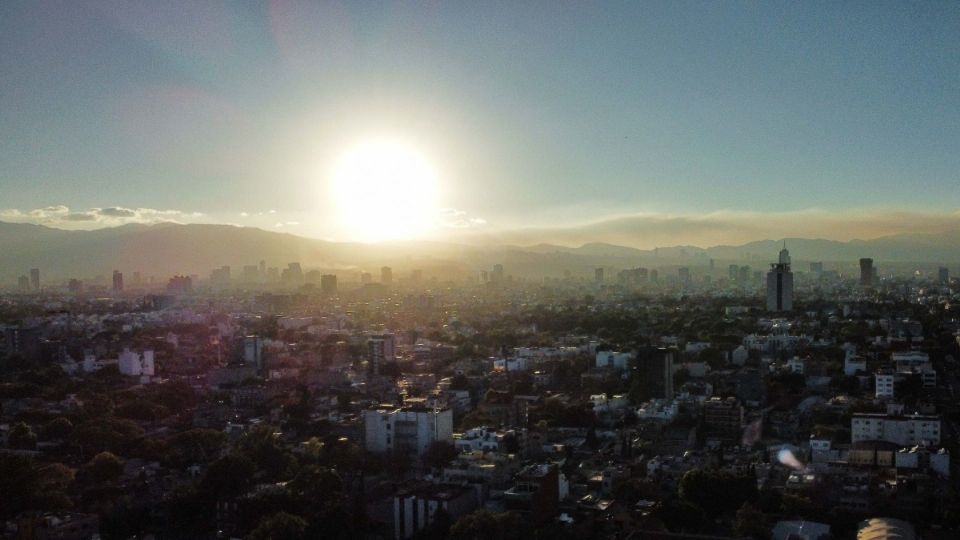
[[533, 116]]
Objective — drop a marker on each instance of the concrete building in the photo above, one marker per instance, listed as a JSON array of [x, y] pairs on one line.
[[380, 349], [780, 283], [251, 351], [723, 417], [117, 281], [868, 273], [415, 509], [654, 372], [328, 284], [907, 430], [613, 359], [885, 384], [943, 275], [386, 275], [135, 364], [409, 430], [35, 279]]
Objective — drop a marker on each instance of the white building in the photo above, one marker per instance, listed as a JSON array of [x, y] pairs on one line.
[[795, 365], [521, 363], [909, 430], [884, 384], [135, 364], [613, 359], [409, 429]]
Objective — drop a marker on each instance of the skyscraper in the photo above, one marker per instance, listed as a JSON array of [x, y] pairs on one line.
[[328, 284], [943, 274], [497, 275], [380, 349], [780, 283], [867, 272], [117, 281], [598, 275], [35, 279], [386, 275], [654, 373]]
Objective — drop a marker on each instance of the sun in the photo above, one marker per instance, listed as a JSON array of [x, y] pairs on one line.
[[384, 190]]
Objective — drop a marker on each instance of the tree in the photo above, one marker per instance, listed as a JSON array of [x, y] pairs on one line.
[[57, 429], [26, 485], [196, 446], [486, 525], [439, 453], [714, 492], [751, 522], [22, 437], [267, 450], [104, 467], [228, 476], [280, 526]]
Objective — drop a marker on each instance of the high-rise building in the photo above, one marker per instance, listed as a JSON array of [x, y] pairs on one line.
[[816, 268], [366, 278], [220, 276], [744, 277], [497, 275], [250, 274], [733, 272], [684, 274], [117, 281], [386, 275], [598, 275], [380, 350], [292, 274], [416, 275], [867, 272], [654, 373], [251, 351], [35, 279], [780, 283], [23, 283], [407, 430], [180, 284], [263, 269], [328, 284], [943, 274]]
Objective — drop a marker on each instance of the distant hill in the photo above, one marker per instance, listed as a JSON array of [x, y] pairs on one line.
[[169, 248]]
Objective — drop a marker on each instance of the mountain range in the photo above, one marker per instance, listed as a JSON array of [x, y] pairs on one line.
[[165, 249]]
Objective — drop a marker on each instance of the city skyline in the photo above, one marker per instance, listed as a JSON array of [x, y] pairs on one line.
[[531, 118]]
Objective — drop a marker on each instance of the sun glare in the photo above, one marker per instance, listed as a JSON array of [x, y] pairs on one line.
[[384, 190]]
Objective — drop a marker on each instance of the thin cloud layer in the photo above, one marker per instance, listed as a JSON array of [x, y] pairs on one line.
[[61, 216], [647, 231]]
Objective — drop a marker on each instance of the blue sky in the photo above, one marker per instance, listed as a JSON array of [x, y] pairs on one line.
[[537, 115]]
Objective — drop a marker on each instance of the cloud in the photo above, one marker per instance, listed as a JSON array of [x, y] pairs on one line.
[[452, 218], [81, 216], [118, 212], [62, 216]]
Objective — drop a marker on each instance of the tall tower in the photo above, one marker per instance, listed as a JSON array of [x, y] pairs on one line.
[[386, 275], [780, 283], [35, 279], [867, 272], [117, 281], [598, 275]]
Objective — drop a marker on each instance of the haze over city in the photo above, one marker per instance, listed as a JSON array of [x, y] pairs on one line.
[[641, 124], [369, 270]]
